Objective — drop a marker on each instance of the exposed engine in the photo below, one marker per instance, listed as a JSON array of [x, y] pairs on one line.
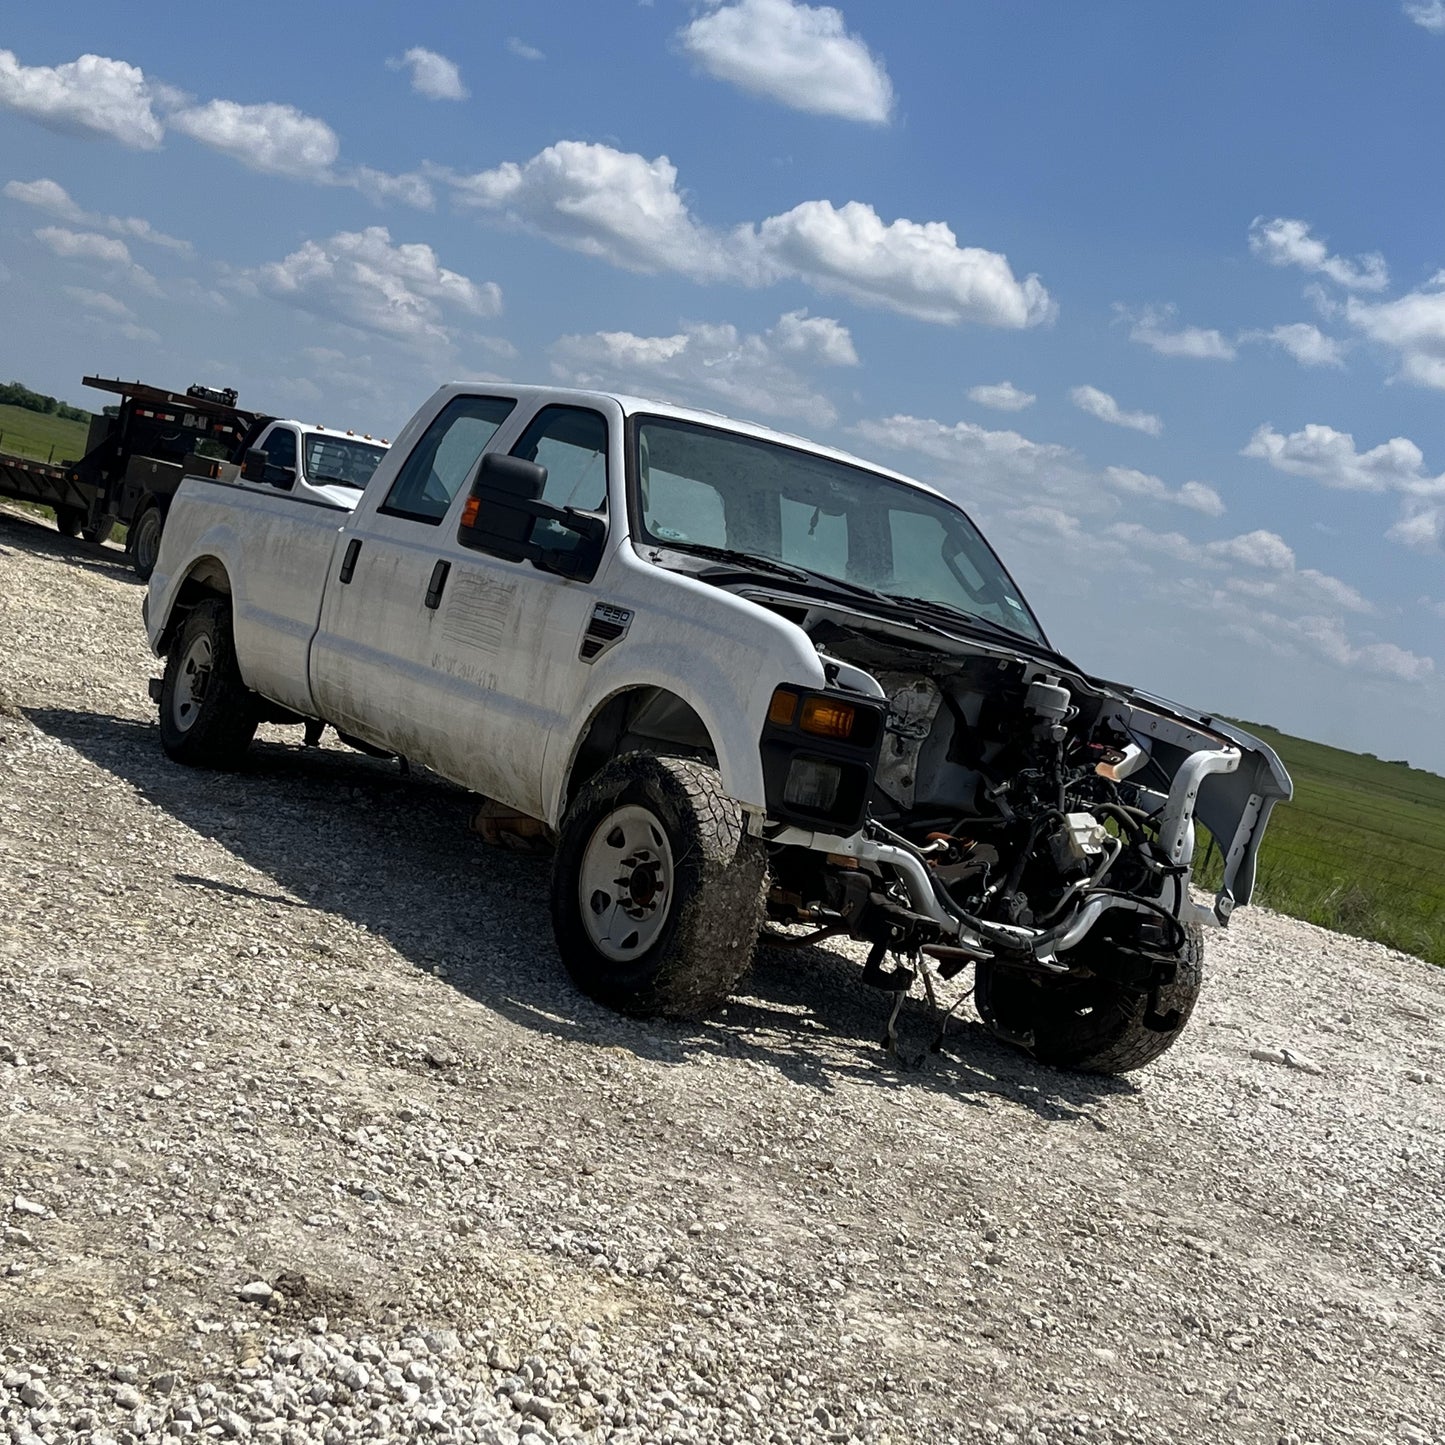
[[1022, 789]]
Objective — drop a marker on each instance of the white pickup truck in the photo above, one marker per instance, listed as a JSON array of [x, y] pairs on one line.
[[739, 678]]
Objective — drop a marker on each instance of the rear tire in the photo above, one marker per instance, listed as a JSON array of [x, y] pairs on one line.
[[1096, 1025], [207, 715], [145, 542], [68, 521], [657, 889], [100, 533]]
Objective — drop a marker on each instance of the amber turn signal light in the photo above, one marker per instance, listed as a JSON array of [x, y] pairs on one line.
[[783, 708], [469, 512], [825, 718]]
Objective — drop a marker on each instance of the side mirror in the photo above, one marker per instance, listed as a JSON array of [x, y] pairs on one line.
[[504, 514], [499, 511], [253, 466]]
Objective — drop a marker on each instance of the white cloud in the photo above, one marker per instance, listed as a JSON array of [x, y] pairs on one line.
[[1412, 325], [818, 338], [1152, 328], [799, 55], [1421, 527], [1137, 484], [612, 204], [915, 268], [1329, 456], [1428, 14], [1307, 344], [748, 373], [629, 211], [1327, 637], [105, 251], [1194, 495], [1171, 544], [1002, 396], [51, 197], [1103, 406], [964, 443], [112, 314], [1284, 242], [522, 50], [101, 301], [1200, 497], [1256, 549], [92, 95], [411, 188], [361, 280], [1053, 521], [278, 139], [1430, 605], [432, 75]]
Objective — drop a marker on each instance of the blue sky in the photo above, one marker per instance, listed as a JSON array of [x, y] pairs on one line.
[[1202, 246]]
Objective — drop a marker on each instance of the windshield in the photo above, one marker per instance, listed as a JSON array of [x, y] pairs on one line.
[[344, 460], [706, 489]]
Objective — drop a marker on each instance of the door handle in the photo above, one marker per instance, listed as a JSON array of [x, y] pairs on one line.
[[348, 562], [439, 575]]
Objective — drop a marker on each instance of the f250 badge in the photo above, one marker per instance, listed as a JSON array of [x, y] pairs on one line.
[[605, 628]]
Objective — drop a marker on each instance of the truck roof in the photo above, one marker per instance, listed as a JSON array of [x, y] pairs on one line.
[[637, 405]]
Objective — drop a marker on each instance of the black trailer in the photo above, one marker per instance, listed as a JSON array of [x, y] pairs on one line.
[[134, 461]]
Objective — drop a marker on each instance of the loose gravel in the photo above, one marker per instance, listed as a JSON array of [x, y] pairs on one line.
[[305, 1137]]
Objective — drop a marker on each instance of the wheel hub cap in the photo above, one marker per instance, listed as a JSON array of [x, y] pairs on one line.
[[193, 677], [625, 885]]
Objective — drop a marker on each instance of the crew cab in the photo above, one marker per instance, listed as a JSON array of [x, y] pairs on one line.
[[741, 679]]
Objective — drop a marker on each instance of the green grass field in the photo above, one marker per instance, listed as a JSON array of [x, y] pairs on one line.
[[33, 434], [1361, 849]]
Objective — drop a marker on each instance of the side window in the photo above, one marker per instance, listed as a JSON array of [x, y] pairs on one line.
[[442, 460], [280, 449], [571, 442]]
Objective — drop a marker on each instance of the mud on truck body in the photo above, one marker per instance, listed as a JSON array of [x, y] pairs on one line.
[[742, 680]]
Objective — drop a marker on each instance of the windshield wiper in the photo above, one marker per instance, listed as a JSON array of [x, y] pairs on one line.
[[959, 616]]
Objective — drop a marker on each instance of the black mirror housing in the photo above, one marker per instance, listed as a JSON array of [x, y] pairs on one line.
[[503, 509], [253, 465]]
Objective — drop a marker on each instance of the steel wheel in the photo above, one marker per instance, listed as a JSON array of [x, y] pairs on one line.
[[625, 885], [192, 680]]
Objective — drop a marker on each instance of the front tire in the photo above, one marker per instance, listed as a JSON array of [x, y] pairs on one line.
[[145, 543], [657, 889], [68, 521], [99, 534], [207, 715], [1095, 1024]]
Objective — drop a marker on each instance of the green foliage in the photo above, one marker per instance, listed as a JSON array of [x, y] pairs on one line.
[[25, 432], [12, 393], [1361, 849]]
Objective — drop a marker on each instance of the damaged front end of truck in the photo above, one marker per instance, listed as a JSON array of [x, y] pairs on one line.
[[967, 804]]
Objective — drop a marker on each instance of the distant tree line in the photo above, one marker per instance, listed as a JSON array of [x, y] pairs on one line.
[[13, 394]]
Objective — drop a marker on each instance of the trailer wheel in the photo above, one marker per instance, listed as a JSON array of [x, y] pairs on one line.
[[145, 542], [207, 715], [657, 889], [1095, 1024], [68, 521], [100, 533]]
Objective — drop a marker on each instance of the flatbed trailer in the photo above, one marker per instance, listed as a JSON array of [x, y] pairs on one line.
[[134, 461]]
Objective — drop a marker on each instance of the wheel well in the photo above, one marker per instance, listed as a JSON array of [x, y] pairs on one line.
[[207, 578], [640, 719]]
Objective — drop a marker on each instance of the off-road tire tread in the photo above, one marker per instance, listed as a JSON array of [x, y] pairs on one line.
[[68, 521], [100, 535], [1008, 1001], [229, 713], [720, 882]]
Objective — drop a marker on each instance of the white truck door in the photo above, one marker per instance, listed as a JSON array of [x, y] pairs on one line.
[[367, 659], [500, 669]]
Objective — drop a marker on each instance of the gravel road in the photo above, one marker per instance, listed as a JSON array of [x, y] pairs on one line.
[[305, 1137]]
